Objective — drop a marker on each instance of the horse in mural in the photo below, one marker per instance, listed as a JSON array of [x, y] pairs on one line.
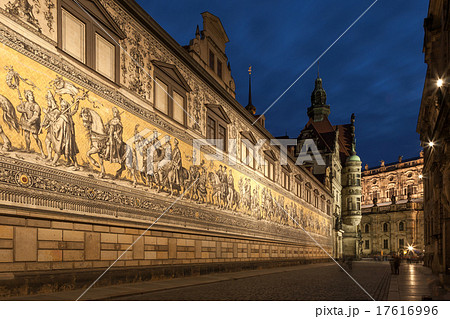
[[99, 139], [167, 179], [195, 184], [10, 119], [233, 199]]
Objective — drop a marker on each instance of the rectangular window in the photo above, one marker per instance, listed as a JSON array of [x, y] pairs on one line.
[[266, 168], [401, 243], [161, 96], [349, 204], [210, 128], [211, 60], [251, 157], [308, 195], [247, 156], [219, 68], [366, 244], [299, 190], [271, 171], [243, 153], [216, 128], [73, 36], [178, 108], [105, 57], [221, 135], [386, 244]]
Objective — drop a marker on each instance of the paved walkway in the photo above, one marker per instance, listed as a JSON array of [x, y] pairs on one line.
[[116, 291], [304, 282], [415, 282]]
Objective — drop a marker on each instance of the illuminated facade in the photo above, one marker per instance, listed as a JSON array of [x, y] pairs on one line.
[[340, 172], [433, 127], [392, 210], [94, 151]]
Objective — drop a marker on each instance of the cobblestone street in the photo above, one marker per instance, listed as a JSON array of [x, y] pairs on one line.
[[312, 282]]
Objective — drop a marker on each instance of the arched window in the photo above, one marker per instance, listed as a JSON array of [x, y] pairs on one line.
[[385, 227], [401, 226], [366, 228]]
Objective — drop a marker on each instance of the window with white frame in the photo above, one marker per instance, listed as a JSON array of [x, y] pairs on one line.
[[285, 179], [86, 40], [170, 91], [269, 169], [217, 125]]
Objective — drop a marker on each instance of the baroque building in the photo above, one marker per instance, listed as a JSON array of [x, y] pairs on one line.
[[392, 208], [109, 125], [340, 170], [434, 129]]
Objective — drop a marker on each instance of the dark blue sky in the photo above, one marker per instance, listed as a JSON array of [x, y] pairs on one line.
[[375, 71]]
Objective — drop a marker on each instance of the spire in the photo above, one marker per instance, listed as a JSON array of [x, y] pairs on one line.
[[197, 32], [250, 107], [352, 121], [319, 108], [250, 86]]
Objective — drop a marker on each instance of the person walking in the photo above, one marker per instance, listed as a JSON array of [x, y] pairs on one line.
[[397, 262]]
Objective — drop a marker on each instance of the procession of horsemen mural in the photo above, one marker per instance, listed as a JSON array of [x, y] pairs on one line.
[[79, 130]]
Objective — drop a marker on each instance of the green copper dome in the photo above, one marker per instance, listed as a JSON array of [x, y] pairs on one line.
[[354, 158]]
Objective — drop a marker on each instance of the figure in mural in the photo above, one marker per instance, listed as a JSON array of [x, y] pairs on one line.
[[52, 113], [163, 163], [68, 144], [10, 119], [177, 174], [30, 121], [139, 153], [223, 186], [233, 197], [215, 186], [255, 201], [100, 136], [177, 163], [114, 128], [196, 183], [154, 152]]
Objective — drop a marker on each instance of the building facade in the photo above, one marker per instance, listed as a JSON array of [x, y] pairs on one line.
[[340, 171], [101, 111], [434, 129], [392, 208]]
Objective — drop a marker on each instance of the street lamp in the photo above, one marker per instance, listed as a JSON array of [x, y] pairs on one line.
[[431, 144], [440, 83]]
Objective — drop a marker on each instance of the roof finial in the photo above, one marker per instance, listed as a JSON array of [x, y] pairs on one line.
[[250, 106], [250, 85], [318, 74], [197, 32]]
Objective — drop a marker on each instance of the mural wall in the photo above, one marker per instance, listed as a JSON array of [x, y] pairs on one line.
[[50, 121]]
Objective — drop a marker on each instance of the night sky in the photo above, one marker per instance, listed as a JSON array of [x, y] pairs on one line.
[[376, 70]]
